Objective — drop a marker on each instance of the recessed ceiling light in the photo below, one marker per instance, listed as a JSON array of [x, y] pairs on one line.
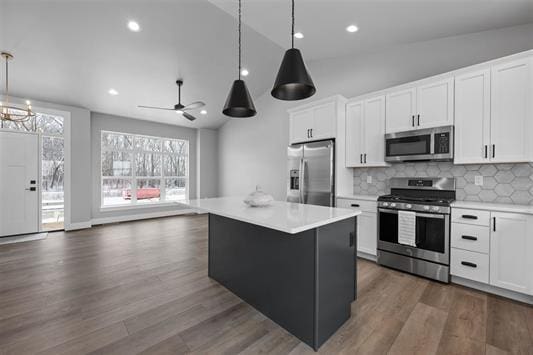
[[28, 102], [245, 72], [299, 35], [352, 28], [113, 92], [203, 112], [134, 26]]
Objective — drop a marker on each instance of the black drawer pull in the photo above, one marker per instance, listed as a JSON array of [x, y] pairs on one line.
[[469, 237], [355, 205], [469, 216], [352, 237], [466, 263]]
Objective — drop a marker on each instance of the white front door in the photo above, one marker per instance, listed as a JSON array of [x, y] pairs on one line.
[[19, 183]]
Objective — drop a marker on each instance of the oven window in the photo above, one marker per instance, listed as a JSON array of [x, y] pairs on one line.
[[430, 234], [416, 145]]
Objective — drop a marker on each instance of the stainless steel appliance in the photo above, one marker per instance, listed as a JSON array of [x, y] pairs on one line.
[[421, 144], [430, 199], [311, 173]]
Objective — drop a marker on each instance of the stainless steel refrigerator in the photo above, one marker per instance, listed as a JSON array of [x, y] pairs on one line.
[[312, 173]]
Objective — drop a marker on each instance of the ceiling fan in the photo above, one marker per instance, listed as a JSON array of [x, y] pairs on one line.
[[179, 108]]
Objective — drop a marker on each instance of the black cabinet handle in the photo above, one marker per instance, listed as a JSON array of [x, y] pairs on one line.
[[486, 153], [469, 237], [352, 237], [467, 263], [355, 205], [307, 133], [361, 158], [365, 157], [413, 120], [469, 216], [33, 182], [418, 119], [311, 132], [494, 150], [494, 224]]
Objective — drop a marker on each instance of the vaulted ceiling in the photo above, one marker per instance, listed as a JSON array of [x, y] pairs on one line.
[[73, 51]]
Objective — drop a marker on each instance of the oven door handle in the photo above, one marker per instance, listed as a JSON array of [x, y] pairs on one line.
[[418, 214]]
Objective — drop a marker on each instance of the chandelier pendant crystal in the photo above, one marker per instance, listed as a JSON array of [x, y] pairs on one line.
[[8, 112]]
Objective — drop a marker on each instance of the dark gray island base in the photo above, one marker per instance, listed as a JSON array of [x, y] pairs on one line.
[[305, 282]]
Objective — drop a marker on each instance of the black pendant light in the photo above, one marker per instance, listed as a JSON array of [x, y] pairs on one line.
[[293, 81], [239, 103]]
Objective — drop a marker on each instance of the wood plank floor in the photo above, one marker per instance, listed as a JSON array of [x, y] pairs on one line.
[[142, 287]]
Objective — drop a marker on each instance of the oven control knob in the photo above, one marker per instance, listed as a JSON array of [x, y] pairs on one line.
[[426, 208], [393, 204], [408, 206], [436, 208], [385, 204]]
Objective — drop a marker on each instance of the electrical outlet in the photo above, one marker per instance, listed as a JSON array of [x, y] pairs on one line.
[[478, 180], [369, 179]]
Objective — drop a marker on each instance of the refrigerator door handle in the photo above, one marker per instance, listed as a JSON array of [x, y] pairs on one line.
[[303, 198], [301, 184]]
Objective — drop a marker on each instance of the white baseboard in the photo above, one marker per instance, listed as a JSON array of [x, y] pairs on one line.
[[136, 217], [493, 289], [78, 225], [367, 256]]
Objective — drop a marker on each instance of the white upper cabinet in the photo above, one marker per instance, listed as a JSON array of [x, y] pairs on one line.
[[472, 117], [511, 112], [511, 252], [401, 110], [434, 102], [365, 130], [314, 122], [424, 106]]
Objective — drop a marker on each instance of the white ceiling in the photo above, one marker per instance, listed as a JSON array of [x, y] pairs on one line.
[[73, 51], [381, 23]]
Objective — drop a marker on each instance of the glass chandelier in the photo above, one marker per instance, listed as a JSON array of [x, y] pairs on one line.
[[8, 112]]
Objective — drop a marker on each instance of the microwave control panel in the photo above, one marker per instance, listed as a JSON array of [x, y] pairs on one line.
[[442, 143]]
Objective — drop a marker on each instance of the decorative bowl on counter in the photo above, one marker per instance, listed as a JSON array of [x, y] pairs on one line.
[[258, 198]]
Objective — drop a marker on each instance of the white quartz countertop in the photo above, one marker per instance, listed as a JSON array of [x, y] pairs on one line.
[[283, 216], [359, 197], [497, 207]]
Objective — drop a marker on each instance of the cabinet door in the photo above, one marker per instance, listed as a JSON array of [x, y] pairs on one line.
[[324, 121], [511, 113], [511, 252], [374, 131], [401, 106], [472, 117], [354, 133], [300, 123], [367, 233], [435, 104]]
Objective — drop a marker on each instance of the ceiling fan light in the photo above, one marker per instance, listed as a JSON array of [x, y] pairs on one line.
[[293, 81], [239, 103]]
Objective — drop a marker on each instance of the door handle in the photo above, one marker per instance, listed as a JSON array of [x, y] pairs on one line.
[[365, 158], [413, 120], [352, 238], [31, 189], [308, 133], [361, 158], [311, 130], [494, 224], [469, 237], [494, 150], [418, 120], [486, 153], [467, 263], [355, 205]]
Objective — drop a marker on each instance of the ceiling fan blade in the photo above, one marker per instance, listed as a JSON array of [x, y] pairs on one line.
[[194, 105], [189, 116], [157, 108]]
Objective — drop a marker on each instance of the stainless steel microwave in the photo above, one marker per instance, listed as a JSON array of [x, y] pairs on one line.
[[421, 144]]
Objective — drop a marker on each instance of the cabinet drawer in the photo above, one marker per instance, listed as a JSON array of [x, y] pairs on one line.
[[470, 237], [469, 265], [366, 206], [480, 218]]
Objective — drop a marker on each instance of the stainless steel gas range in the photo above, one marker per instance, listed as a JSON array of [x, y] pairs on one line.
[[414, 226]]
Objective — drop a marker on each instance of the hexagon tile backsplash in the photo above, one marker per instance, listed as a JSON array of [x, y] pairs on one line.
[[502, 183]]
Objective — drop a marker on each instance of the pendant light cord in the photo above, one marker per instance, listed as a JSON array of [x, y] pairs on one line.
[[292, 30], [240, 12]]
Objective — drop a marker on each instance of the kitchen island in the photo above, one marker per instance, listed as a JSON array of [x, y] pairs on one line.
[[294, 263]]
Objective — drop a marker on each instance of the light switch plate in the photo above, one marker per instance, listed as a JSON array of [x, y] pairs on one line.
[[369, 179], [478, 180]]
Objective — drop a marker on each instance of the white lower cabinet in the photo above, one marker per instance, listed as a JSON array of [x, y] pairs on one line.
[[511, 252], [367, 232], [499, 254]]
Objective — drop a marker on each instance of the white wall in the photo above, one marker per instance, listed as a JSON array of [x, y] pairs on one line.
[[253, 151], [207, 169]]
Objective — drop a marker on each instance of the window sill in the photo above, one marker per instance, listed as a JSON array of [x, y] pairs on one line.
[[140, 206]]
